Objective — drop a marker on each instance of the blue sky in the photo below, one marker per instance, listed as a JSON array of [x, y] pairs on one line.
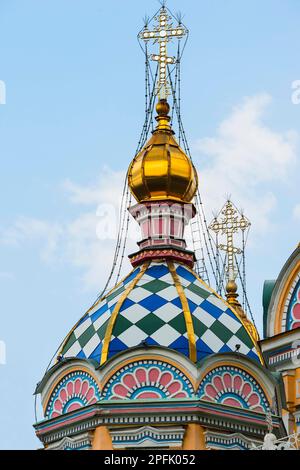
[[74, 109]]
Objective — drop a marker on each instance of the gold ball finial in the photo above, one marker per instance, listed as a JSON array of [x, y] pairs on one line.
[[232, 297], [163, 108], [231, 287]]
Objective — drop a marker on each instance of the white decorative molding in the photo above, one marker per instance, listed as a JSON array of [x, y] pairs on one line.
[[236, 441], [147, 436], [284, 356], [81, 442]]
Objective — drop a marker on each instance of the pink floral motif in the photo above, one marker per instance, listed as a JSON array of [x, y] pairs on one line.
[[296, 312], [143, 383], [72, 395], [232, 389]]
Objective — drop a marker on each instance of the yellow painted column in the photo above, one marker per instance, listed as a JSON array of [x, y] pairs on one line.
[[194, 438], [102, 439], [290, 395]]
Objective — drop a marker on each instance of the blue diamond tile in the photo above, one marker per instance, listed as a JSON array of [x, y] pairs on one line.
[[211, 308], [253, 355], [231, 314], [96, 354], [157, 271], [181, 344], [99, 312], [116, 346], [181, 271], [225, 348], [81, 355], [192, 306], [150, 341], [153, 302], [83, 319], [126, 304], [131, 276], [201, 355], [177, 302], [203, 347]]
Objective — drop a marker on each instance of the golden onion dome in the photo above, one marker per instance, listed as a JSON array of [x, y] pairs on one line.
[[161, 170]]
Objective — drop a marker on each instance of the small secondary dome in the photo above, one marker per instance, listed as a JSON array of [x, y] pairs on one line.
[[161, 170]]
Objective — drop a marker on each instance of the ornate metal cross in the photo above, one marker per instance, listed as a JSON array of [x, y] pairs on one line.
[[162, 34], [231, 223]]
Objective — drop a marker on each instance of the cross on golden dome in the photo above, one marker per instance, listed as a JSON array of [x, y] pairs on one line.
[[231, 223], [162, 34]]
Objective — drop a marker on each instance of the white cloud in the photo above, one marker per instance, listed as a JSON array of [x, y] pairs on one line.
[[86, 242], [31, 229], [244, 160], [106, 189]]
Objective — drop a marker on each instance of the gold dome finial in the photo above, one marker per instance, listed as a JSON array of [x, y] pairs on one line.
[[162, 109], [163, 119], [162, 170], [232, 294]]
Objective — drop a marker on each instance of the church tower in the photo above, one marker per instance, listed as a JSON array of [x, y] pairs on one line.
[[161, 360]]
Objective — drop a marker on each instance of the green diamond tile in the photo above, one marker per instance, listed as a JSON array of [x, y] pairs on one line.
[[69, 343], [121, 325], [244, 337], [150, 324], [199, 327], [102, 330], [115, 293], [178, 323], [86, 336], [221, 331], [155, 286], [198, 291]]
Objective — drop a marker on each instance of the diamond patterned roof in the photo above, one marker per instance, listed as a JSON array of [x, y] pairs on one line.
[[161, 304]]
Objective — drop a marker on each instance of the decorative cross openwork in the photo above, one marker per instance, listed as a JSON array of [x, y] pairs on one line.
[[231, 223], [162, 34]]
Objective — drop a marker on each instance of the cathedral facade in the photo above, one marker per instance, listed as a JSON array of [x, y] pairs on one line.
[[162, 360]]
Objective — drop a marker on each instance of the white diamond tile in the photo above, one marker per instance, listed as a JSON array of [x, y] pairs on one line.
[[186, 336], [213, 342], [102, 319], [91, 345], [81, 328], [204, 317], [113, 301], [74, 350], [139, 293], [169, 293], [165, 335], [167, 278], [144, 280], [193, 297], [233, 341], [167, 312], [97, 307], [132, 336], [134, 313], [217, 302], [232, 324]]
